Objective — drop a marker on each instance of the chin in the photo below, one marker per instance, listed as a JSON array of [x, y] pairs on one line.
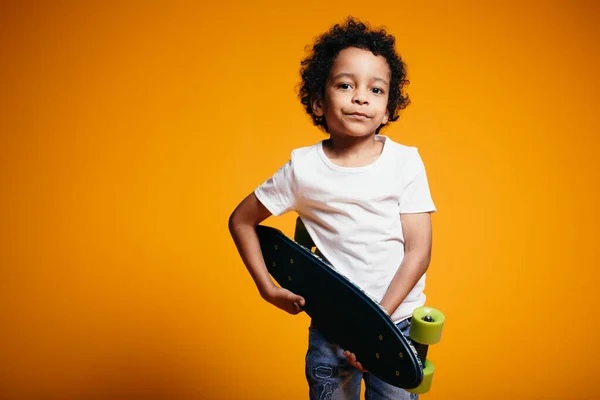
[[359, 133], [353, 131]]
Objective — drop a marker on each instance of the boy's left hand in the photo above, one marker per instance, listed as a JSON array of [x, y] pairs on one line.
[[351, 357]]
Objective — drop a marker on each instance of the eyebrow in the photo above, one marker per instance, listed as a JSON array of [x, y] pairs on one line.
[[349, 75]]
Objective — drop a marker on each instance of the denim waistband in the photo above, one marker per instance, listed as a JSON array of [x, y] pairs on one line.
[[405, 323]]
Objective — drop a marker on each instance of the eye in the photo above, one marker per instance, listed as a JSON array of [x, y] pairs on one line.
[[377, 90], [344, 86]]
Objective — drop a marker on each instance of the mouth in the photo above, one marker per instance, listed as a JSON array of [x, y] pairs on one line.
[[358, 115]]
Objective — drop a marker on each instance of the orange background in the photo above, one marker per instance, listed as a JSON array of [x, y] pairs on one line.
[[130, 131]]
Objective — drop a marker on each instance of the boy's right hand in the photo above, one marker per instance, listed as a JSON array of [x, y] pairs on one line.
[[284, 299], [242, 225]]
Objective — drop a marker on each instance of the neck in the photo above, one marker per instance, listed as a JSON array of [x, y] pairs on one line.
[[351, 145]]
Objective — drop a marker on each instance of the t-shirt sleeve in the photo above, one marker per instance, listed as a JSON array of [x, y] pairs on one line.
[[415, 196], [277, 193]]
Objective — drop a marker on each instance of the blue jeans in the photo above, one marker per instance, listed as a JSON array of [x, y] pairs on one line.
[[331, 377]]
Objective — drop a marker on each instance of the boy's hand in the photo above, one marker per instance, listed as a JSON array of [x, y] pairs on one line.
[[351, 357], [284, 299]]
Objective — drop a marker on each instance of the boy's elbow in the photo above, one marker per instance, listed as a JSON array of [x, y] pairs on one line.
[[426, 263], [234, 221], [237, 220], [421, 256], [426, 260], [250, 212]]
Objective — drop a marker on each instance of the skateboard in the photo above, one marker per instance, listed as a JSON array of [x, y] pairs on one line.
[[348, 316]]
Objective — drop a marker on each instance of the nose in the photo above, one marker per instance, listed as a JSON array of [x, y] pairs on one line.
[[360, 97]]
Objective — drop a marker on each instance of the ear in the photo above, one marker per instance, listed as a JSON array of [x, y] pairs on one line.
[[386, 117], [317, 107]]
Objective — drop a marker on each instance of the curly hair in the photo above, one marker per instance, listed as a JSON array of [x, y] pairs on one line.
[[315, 68]]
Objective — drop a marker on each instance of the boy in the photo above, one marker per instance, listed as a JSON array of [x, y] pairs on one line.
[[363, 198]]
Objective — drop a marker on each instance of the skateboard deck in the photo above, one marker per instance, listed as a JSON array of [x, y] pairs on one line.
[[344, 313]]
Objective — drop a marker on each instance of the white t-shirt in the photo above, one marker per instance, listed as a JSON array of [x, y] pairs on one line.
[[353, 213]]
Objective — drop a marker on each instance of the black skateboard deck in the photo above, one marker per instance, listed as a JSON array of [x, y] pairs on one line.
[[344, 313]]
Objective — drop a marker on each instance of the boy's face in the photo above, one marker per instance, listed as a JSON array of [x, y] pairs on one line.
[[356, 93]]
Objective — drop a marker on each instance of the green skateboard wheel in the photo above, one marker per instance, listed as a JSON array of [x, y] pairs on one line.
[[427, 378], [426, 325]]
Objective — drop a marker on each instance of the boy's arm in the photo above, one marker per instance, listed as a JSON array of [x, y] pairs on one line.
[[242, 226], [417, 254]]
